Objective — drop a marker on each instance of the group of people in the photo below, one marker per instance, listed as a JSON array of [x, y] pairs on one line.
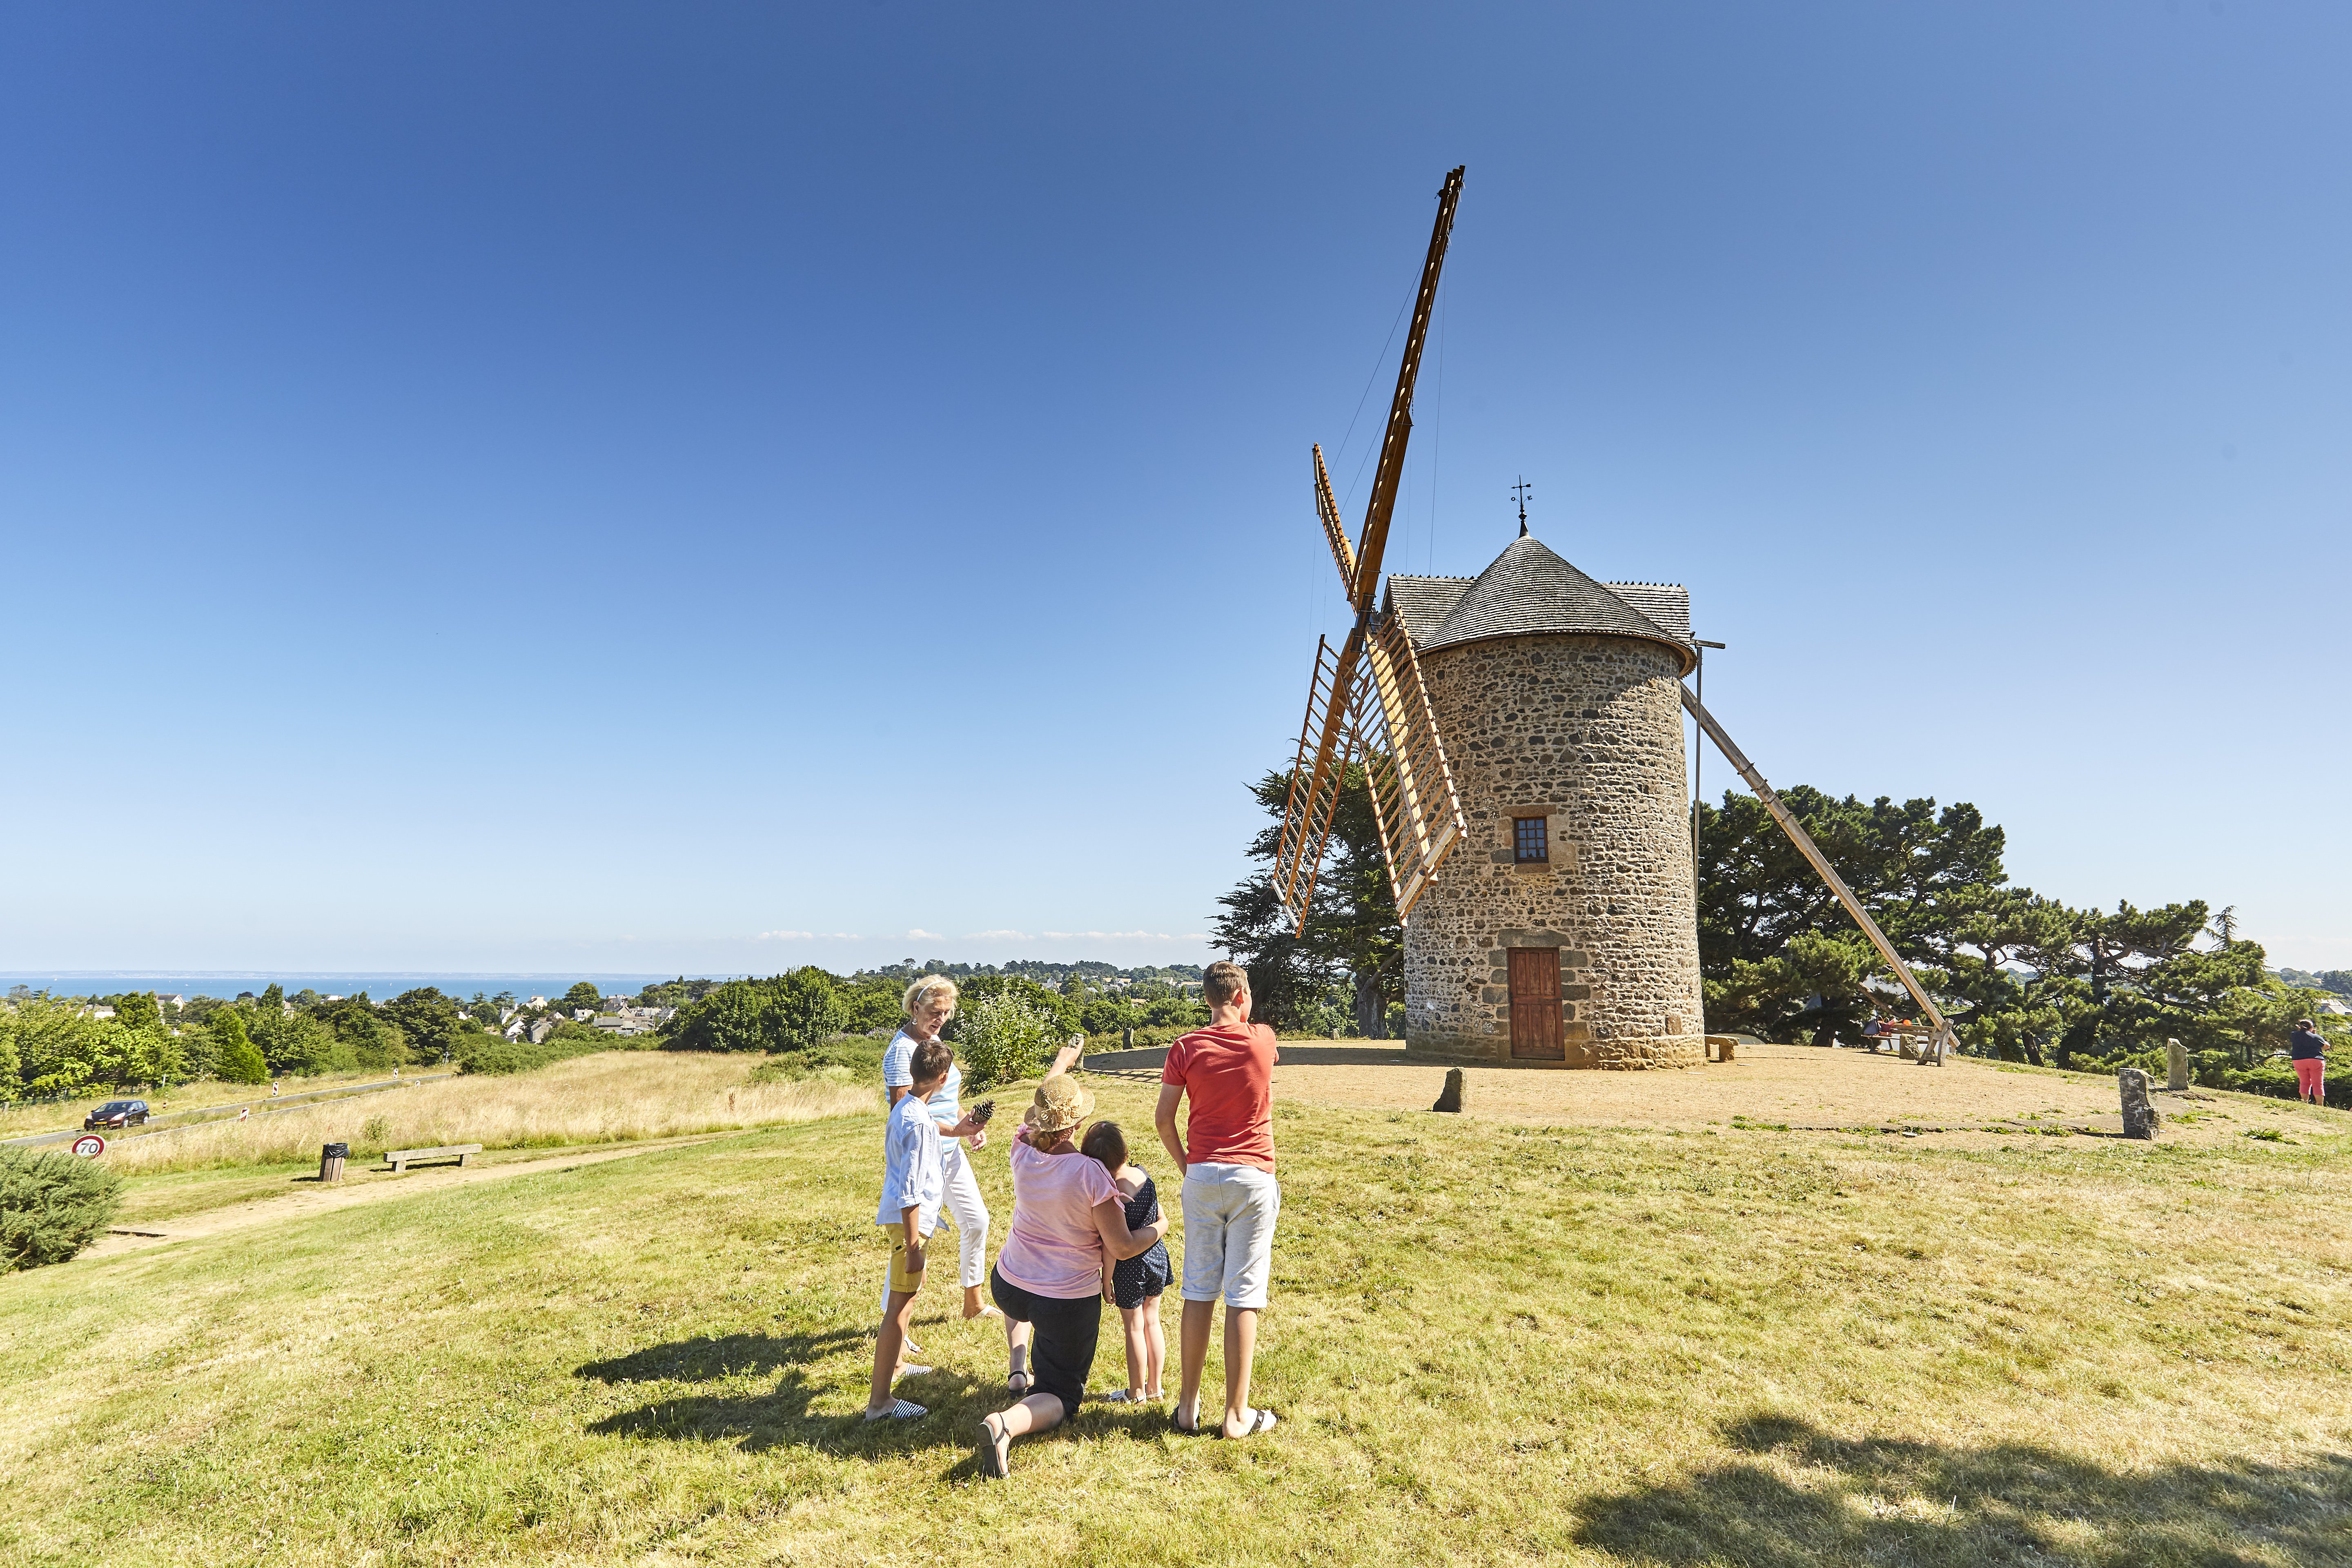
[[1086, 1222]]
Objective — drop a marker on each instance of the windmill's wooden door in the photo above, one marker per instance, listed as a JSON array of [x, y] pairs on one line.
[[1536, 1034]]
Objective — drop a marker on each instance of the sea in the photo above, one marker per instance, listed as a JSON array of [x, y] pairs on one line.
[[378, 984]]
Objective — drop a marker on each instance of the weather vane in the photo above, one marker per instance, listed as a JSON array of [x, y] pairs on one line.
[[1523, 489]]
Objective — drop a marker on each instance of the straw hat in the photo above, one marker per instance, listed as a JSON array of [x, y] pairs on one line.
[[1061, 1103]]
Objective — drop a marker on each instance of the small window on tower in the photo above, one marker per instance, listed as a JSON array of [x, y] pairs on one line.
[[1529, 846]]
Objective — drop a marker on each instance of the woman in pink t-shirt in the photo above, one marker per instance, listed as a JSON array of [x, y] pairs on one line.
[[1067, 1216]]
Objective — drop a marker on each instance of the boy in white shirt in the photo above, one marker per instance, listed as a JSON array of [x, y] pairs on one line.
[[911, 1185]]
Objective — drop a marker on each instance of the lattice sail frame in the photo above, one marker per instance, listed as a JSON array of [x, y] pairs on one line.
[[1327, 742], [1413, 798]]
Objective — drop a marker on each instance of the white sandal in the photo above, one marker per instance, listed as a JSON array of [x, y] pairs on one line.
[[900, 1410]]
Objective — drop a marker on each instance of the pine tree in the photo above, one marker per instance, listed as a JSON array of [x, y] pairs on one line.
[[237, 1058]]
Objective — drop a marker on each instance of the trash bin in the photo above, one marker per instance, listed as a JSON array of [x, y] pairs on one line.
[[330, 1160]]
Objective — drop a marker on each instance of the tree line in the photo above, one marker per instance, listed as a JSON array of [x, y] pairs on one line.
[[55, 1047], [2020, 976], [809, 1007], [58, 1046]]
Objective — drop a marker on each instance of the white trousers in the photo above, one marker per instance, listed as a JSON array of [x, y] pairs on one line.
[[962, 1206]]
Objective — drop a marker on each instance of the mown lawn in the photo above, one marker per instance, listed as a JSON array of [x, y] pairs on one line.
[[1490, 1344]]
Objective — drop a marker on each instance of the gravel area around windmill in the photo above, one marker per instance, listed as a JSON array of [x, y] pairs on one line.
[[1800, 1088]]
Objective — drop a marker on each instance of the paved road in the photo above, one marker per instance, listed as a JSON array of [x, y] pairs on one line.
[[268, 1107]]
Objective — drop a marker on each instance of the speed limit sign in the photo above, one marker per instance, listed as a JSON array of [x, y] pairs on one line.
[[90, 1146]]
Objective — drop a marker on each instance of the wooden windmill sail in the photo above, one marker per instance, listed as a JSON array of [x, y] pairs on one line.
[[1366, 699]]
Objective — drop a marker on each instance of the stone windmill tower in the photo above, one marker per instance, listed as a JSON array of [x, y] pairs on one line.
[[1562, 931], [1521, 735]]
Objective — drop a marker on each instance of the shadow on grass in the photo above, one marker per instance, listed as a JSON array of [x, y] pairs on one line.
[[1890, 1500], [789, 1416], [701, 1360]]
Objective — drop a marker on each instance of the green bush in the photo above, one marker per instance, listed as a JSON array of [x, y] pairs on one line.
[[1000, 1038], [52, 1204], [1064, 1016]]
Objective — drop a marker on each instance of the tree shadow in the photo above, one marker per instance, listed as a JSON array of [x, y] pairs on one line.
[[1894, 1501]]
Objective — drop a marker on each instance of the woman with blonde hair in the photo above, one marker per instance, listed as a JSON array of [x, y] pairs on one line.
[[929, 1004], [1067, 1218]]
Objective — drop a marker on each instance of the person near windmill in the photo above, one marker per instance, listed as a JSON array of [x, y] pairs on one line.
[[1069, 1229], [2308, 1053], [1232, 1200], [929, 1004]]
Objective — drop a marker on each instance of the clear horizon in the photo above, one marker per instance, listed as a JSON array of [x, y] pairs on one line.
[[616, 488]]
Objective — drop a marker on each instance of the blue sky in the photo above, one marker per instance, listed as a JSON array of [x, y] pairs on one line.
[[721, 486]]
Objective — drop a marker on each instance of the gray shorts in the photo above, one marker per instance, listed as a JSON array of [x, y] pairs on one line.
[[1229, 1215]]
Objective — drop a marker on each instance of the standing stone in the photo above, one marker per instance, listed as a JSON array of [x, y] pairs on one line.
[[2139, 1116], [1456, 1086], [2176, 1065]]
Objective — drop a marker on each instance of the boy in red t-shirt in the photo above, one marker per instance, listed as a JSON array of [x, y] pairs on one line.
[[1231, 1199]]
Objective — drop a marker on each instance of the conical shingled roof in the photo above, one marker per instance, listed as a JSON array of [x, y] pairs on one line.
[[1529, 591]]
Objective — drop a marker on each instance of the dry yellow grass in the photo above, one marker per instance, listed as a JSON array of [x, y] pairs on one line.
[[609, 1097]]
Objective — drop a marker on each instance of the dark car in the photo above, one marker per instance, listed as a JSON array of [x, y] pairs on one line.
[[116, 1113]]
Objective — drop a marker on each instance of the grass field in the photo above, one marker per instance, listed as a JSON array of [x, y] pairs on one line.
[[1490, 1343]]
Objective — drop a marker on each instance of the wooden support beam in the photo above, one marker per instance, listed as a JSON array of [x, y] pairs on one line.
[[1812, 853]]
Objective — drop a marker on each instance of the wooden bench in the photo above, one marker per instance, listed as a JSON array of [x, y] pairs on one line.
[[400, 1158]]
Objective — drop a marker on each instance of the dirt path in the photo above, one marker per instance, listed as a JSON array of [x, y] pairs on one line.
[[1794, 1086], [310, 1198]]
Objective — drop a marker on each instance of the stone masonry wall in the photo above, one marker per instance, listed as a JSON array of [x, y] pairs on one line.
[[1586, 731]]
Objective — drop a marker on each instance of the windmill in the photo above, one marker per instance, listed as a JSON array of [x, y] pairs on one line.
[[1569, 938], [1367, 698]]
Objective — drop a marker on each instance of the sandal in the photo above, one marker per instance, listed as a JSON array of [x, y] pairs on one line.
[[1019, 1384], [1123, 1396], [899, 1410], [908, 1369], [1259, 1421], [992, 1444], [1178, 1421]]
